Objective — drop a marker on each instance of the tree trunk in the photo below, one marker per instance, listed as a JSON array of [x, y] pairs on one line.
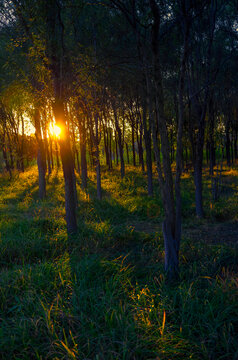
[[106, 145], [84, 171], [57, 154], [55, 50], [22, 144], [96, 140], [110, 148], [51, 152], [98, 172], [198, 188], [4, 152], [116, 146], [228, 144], [171, 251], [41, 161], [172, 223], [133, 143], [41, 172], [212, 153], [235, 145], [77, 160], [147, 138], [127, 153], [68, 167], [11, 157], [120, 144], [140, 147], [47, 153]]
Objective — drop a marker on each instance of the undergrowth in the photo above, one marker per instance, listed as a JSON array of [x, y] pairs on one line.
[[102, 293]]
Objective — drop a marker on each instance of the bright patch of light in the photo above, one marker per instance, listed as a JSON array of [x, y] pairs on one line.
[[55, 130]]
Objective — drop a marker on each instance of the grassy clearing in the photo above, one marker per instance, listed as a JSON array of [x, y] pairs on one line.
[[101, 294]]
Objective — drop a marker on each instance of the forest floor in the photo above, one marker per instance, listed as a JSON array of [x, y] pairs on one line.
[[102, 293]]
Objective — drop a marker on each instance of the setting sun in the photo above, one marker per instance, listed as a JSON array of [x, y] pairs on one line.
[[55, 130]]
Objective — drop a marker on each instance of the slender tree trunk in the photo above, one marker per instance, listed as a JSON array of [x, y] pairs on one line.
[[22, 144], [11, 157], [232, 148], [91, 153], [164, 173], [120, 144], [127, 153], [106, 145], [84, 171], [147, 138], [77, 160], [140, 147], [51, 152], [8, 167], [68, 166], [198, 188], [57, 154], [97, 158], [235, 144], [74, 147], [186, 156], [207, 152], [98, 172], [172, 222], [133, 143], [110, 148], [47, 153], [116, 146], [41, 161], [4, 153], [228, 144], [199, 111], [212, 153], [55, 50]]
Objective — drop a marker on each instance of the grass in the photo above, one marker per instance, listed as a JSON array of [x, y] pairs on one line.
[[102, 294]]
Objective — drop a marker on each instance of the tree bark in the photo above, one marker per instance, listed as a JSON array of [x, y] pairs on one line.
[[120, 144], [96, 139], [55, 50], [41, 161], [68, 166], [133, 142], [228, 143], [84, 171], [22, 144], [57, 154], [127, 153], [212, 153], [147, 139]]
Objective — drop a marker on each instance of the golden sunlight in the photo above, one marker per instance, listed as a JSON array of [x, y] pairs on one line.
[[55, 130]]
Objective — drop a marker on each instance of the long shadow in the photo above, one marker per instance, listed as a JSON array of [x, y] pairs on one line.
[[136, 190], [9, 203], [105, 230], [29, 234], [106, 258]]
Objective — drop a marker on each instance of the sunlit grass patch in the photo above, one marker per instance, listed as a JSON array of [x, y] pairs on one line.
[[231, 171]]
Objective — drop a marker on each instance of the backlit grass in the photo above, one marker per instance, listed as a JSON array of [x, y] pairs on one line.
[[102, 294]]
